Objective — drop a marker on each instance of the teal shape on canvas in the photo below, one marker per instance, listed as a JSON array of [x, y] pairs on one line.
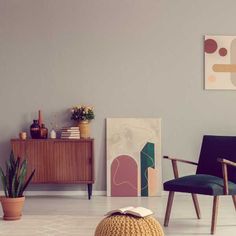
[[147, 156]]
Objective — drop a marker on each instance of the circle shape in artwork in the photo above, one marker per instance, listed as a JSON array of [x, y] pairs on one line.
[[212, 78], [223, 52], [210, 45]]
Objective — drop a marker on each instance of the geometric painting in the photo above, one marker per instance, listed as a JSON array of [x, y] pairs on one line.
[[220, 62], [133, 157]]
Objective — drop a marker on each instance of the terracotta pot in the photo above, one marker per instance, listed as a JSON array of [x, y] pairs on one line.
[[84, 128], [12, 207]]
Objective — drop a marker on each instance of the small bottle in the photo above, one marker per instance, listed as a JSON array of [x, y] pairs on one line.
[[35, 130], [43, 132]]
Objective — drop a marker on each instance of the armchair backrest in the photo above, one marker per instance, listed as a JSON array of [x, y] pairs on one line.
[[214, 147]]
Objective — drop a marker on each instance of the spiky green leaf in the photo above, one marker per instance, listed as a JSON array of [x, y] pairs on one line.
[[12, 159], [21, 181], [27, 182], [13, 192], [4, 182]]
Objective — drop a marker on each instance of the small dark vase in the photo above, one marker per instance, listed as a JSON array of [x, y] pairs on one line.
[[35, 130], [43, 132]]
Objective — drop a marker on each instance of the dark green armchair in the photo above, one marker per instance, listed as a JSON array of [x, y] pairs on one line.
[[215, 175]]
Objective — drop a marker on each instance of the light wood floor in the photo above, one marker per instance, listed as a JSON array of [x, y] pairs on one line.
[[79, 216]]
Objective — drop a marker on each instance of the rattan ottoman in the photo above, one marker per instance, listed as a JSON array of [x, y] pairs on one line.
[[128, 225]]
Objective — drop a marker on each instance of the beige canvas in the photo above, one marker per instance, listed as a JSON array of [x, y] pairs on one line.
[[133, 157]]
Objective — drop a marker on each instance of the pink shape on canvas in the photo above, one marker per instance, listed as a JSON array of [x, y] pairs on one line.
[[124, 177]]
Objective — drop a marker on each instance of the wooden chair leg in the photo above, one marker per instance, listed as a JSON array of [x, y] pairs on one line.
[[214, 214], [196, 205], [168, 208], [234, 200]]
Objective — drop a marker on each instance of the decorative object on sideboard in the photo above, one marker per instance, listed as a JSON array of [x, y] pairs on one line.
[[54, 127], [53, 134], [38, 129], [35, 130], [43, 132], [70, 133], [40, 118], [84, 128], [23, 135], [83, 114], [14, 184]]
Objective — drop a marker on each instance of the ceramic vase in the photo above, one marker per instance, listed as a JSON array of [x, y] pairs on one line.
[[53, 134], [35, 130], [43, 132], [84, 128]]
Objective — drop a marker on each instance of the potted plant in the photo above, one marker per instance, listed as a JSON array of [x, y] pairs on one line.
[[83, 114], [14, 184]]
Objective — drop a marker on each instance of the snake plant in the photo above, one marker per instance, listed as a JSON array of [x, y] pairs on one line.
[[14, 179]]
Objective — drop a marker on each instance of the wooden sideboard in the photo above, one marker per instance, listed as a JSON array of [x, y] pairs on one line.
[[58, 161]]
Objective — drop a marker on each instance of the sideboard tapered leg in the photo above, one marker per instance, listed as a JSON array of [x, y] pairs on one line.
[[90, 189]]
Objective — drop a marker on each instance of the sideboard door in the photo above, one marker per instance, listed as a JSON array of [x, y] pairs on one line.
[[73, 161], [19, 149], [38, 157]]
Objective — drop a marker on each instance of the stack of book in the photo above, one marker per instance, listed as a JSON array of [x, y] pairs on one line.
[[70, 133]]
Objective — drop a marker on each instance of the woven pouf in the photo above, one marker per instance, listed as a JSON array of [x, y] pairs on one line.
[[128, 225]]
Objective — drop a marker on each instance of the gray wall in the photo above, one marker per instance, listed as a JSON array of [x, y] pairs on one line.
[[128, 58]]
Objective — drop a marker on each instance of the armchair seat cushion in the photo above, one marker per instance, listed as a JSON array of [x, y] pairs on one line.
[[200, 184]]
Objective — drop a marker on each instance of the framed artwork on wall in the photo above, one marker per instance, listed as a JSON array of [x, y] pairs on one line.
[[133, 156], [220, 62]]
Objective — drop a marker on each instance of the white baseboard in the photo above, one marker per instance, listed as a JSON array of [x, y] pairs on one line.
[[60, 193], [75, 193], [70, 193]]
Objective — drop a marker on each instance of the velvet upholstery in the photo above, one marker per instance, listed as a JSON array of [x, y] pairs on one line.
[[214, 147], [201, 184]]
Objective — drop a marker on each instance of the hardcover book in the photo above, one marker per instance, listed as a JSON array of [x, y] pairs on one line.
[[135, 211]]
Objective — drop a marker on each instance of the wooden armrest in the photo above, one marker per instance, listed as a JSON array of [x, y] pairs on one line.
[[224, 164], [227, 162], [174, 164], [180, 160]]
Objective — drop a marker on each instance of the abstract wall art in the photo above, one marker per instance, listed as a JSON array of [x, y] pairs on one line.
[[133, 156], [220, 62]]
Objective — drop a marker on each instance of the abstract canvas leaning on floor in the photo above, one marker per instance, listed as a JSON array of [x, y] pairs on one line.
[[133, 156]]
